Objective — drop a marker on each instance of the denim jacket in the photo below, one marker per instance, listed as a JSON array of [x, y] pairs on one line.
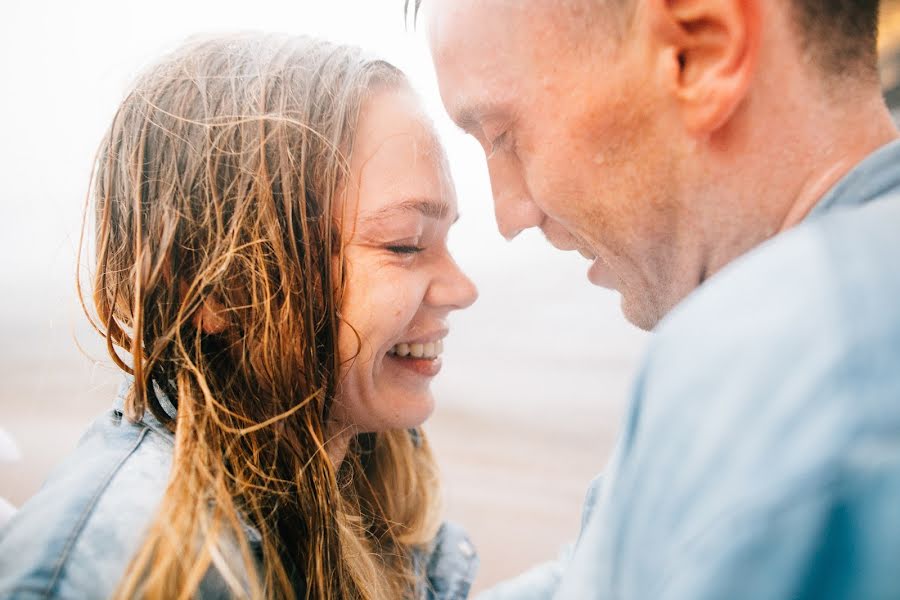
[[76, 536]]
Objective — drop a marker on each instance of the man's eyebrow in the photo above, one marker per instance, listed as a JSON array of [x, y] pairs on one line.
[[472, 114], [433, 209], [468, 118]]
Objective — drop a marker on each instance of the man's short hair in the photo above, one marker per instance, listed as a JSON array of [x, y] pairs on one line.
[[839, 35]]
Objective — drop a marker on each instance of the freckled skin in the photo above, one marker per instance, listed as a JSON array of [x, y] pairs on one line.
[[666, 144], [580, 175], [392, 297]]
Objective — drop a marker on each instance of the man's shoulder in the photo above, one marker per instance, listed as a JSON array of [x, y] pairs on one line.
[[792, 349], [768, 405], [833, 280]]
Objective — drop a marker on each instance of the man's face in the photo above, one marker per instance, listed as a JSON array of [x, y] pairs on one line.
[[577, 139]]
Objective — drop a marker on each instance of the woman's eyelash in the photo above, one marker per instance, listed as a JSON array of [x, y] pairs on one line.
[[402, 249]]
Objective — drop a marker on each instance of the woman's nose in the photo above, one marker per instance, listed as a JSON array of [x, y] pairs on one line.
[[453, 288]]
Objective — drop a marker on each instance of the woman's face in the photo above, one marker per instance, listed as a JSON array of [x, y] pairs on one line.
[[401, 282]]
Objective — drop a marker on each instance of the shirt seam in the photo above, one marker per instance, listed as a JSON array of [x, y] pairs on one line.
[[85, 514], [746, 515], [829, 477], [161, 432]]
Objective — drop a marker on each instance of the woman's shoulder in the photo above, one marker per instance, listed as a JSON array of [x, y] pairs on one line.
[[77, 534], [450, 564]]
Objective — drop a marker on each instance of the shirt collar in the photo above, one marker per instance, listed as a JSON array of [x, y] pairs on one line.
[[873, 177]]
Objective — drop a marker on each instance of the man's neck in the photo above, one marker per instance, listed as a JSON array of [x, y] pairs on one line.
[[777, 176], [863, 129]]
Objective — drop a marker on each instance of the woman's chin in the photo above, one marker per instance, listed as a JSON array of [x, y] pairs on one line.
[[413, 411], [416, 413]]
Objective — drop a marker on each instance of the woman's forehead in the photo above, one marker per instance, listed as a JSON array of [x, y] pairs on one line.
[[398, 160], [394, 118]]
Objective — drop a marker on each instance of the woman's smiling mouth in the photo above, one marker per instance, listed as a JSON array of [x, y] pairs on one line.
[[423, 358], [427, 350]]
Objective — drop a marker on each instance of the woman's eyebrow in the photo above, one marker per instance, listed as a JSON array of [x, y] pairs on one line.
[[433, 209]]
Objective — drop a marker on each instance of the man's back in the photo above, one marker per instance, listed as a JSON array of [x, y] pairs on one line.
[[761, 456]]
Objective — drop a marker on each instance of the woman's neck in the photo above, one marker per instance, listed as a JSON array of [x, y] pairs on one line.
[[337, 444]]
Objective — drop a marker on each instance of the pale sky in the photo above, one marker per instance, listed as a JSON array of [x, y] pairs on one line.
[[66, 65]]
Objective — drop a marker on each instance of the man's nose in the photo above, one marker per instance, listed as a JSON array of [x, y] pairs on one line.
[[515, 214], [514, 209]]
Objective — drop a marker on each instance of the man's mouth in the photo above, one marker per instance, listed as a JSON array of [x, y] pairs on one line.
[[599, 272], [601, 275]]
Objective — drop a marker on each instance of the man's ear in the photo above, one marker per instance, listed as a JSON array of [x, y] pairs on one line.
[[711, 48]]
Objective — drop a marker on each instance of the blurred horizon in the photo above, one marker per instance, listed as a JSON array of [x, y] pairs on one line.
[[535, 372]]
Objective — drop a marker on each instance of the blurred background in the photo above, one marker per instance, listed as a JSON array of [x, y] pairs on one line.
[[536, 373]]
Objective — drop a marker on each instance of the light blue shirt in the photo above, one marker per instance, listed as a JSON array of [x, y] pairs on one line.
[[760, 454]]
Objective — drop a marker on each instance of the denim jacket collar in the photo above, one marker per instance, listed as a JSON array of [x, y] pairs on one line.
[[445, 570]]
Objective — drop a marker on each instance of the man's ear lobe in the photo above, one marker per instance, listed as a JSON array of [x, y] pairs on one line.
[[712, 50]]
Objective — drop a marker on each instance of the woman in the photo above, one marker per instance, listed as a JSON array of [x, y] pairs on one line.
[[271, 217]]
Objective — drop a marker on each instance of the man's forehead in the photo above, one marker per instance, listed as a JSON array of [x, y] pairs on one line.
[[518, 31], [450, 22], [497, 40], [475, 61], [467, 16]]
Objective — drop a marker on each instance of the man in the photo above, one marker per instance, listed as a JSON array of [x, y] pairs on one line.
[[730, 167]]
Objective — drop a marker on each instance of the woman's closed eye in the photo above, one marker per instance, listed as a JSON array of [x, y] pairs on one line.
[[404, 249]]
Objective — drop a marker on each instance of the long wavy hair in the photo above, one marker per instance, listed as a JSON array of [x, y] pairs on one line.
[[217, 185]]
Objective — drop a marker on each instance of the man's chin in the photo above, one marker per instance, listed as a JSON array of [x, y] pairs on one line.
[[643, 315]]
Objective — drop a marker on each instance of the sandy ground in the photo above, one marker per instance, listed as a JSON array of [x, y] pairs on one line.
[[528, 407], [517, 489]]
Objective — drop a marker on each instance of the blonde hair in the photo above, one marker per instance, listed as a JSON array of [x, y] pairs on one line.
[[218, 181]]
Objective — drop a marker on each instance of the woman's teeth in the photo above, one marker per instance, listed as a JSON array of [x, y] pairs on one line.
[[429, 350]]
